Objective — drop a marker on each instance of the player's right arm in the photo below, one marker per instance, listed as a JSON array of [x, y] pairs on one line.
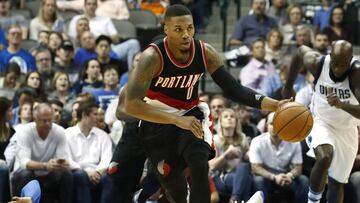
[[305, 57], [139, 82]]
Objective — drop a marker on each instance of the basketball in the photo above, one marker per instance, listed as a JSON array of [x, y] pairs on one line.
[[293, 122]]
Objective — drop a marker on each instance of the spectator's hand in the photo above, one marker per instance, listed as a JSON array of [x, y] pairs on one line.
[[94, 177], [190, 123], [280, 179], [64, 164], [232, 152], [21, 200], [53, 165], [289, 179]]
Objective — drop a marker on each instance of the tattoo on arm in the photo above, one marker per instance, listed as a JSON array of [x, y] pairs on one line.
[[214, 60]]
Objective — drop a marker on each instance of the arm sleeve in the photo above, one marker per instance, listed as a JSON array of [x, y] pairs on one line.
[[238, 31], [254, 152], [236, 91], [297, 158], [106, 153], [24, 148]]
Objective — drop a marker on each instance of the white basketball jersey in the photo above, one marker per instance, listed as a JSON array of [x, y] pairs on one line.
[[319, 106]]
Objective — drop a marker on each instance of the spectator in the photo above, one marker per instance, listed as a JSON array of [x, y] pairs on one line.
[[90, 148], [7, 18], [274, 42], [217, 105], [295, 15], [91, 77], [47, 19], [65, 61], [101, 121], [273, 84], [43, 155], [114, 9], [100, 25], [245, 115], [25, 94], [43, 38], [322, 16], [62, 90], [45, 68], [337, 30], [278, 11], [321, 43], [57, 107], [103, 48], [111, 87], [230, 171], [9, 83], [277, 165], [87, 50], [303, 36], [82, 25], [124, 77], [6, 132], [252, 26], [55, 41], [253, 74], [34, 81], [25, 115], [14, 52]]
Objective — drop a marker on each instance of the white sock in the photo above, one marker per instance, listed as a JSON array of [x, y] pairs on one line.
[[314, 197]]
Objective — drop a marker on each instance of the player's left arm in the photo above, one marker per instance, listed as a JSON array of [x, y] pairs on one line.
[[232, 89], [334, 100]]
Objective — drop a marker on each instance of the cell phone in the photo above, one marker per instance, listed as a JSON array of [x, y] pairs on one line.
[[60, 161]]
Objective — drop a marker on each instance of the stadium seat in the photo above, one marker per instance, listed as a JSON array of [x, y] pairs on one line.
[[26, 13], [67, 15], [143, 19], [125, 28], [33, 6], [28, 44]]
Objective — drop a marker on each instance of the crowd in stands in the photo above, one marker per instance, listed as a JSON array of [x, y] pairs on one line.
[[58, 97]]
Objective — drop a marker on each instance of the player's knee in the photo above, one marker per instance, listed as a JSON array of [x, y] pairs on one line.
[[324, 160]]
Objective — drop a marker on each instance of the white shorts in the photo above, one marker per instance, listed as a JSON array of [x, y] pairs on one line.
[[344, 142]]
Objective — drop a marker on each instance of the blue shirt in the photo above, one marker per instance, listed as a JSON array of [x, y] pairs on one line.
[[322, 18], [103, 97], [248, 28], [273, 83], [82, 55], [23, 58]]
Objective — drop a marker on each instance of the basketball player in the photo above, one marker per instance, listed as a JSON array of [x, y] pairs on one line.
[[335, 106], [170, 129]]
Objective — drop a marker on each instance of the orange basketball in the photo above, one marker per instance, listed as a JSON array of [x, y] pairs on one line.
[[293, 122]]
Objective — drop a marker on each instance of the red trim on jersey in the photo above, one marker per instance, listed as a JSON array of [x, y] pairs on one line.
[[173, 60], [161, 58], [203, 51], [171, 101]]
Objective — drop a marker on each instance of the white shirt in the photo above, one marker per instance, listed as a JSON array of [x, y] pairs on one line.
[[93, 152], [99, 25], [32, 147], [275, 159]]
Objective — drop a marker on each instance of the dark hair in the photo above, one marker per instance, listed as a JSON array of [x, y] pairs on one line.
[[86, 108], [256, 40], [331, 22], [84, 74], [87, 1], [321, 33], [103, 38], [176, 10], [5, 105], [39, 90], [12, 67], [56, 102]]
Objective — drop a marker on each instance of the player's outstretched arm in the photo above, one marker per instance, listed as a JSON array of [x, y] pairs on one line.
[[354, 110], [306, 57], [232, 89], [139, 82]]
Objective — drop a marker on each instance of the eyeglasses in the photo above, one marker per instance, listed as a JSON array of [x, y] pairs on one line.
[[14, 33]]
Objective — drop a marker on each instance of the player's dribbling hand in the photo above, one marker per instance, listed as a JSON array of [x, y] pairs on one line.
[[190, 123], [284, 101]]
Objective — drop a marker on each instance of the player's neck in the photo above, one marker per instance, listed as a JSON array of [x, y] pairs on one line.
[[179, 55]]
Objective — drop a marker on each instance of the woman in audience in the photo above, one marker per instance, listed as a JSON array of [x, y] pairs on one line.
[[55, 41], [6, 132], [62, 91], [337, 29], [274, 41], [34, 81], [295, 15], [229, 169], [91, 77], [9, 83], [47, 19]]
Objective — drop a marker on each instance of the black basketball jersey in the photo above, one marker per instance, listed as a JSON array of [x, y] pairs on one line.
[[176, 85]]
